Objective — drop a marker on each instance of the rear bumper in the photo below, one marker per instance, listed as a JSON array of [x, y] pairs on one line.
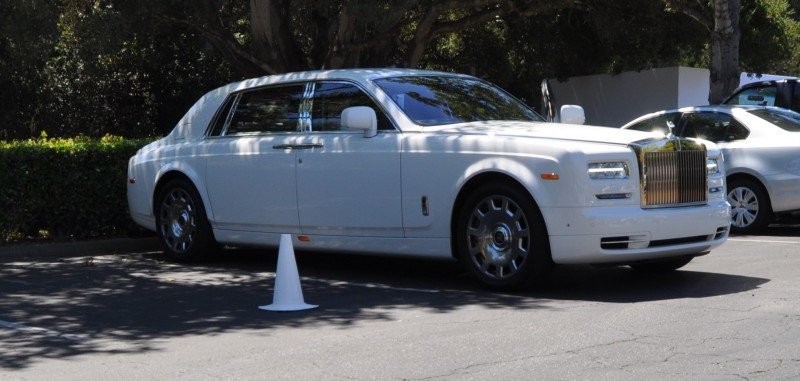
[[592, 235]]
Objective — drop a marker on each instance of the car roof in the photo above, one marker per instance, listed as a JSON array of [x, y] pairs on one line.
[[764, 83], [353, 74], [727, 109]]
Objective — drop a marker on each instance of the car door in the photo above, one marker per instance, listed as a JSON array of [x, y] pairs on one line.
[[347, 184], [250, 165]]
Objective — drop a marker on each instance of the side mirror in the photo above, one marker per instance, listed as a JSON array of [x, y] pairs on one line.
[[360, 118], [572, 114]]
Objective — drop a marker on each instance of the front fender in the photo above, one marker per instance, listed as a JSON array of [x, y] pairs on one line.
[[527, 174]]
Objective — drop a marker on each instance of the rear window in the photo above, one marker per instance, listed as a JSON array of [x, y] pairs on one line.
[[757, 96], [785, 119]]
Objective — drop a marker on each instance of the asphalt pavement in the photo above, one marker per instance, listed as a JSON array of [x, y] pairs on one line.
[[733, 314]]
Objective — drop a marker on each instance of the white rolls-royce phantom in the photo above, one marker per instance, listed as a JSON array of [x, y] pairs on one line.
[[421, 163]]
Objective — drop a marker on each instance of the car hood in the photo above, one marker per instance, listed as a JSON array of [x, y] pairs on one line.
[[542, 130]]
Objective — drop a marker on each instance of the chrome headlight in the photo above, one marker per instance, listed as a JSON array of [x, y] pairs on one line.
[[609, 170], [712, 166]]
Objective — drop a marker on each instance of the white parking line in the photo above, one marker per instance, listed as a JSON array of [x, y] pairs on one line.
[[761, 241], [40, 331], [369, 285]]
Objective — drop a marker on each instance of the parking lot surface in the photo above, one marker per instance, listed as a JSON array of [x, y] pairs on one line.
[[733, 314]]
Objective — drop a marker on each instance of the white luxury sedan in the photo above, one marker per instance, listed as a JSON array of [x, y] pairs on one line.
[[761, 146], [420, 163]]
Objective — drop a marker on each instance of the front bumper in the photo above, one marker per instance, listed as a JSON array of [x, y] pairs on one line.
[[591, 235]]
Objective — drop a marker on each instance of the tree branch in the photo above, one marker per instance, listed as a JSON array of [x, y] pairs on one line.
[[245, 63], [695, 12]]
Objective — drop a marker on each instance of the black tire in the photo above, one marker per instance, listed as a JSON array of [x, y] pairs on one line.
[[508, 248], [182, 224], [744, 195], [662, 266]]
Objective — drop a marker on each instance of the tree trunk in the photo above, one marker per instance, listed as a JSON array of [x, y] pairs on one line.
[[273, 41], [724, 50]]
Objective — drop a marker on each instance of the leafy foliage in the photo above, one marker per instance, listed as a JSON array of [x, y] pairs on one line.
[[94, 67], [65, 188]]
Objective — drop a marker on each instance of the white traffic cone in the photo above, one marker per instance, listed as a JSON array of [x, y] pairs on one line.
[[288, 295]]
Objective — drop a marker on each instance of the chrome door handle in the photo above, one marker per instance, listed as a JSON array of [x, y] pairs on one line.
[[308, 146], [298, 146]]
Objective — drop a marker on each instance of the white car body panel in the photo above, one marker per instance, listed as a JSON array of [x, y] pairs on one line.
[[364, 195], [251, 183], [350, 186]]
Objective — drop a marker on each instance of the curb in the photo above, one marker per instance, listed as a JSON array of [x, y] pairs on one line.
[[77, 249]]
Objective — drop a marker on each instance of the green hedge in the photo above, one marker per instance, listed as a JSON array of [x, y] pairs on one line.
[[65, 188]]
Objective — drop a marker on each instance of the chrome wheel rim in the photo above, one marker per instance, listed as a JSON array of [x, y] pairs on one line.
[[178, 222], [498, 237], [744, 206]]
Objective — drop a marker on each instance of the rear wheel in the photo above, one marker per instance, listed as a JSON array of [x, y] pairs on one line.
[[182, 224], [501, 238], [751, 210]]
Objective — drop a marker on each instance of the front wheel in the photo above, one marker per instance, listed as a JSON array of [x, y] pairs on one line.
[[182, 224], [501, 238]]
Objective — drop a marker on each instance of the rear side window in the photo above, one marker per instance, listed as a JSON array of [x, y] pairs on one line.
[[658, 123], [331, 98], [759, 96], [267, 110], [785, 119]]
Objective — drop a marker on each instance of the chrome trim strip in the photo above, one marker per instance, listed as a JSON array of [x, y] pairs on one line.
[[230, 115]]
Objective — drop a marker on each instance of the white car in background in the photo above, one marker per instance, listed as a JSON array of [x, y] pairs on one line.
[[421, 163], [761, 146]]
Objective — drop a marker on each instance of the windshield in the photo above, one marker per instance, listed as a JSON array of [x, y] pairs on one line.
[[436, 100], [785, 119]]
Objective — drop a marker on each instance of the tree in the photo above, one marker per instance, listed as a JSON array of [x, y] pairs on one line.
[[721, 19], [24, 49], [294, 35], [112, 70]]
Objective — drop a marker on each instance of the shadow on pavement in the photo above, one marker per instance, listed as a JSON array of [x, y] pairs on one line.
[[126, 304], [782, 230]]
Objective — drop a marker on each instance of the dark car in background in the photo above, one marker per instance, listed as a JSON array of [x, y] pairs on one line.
[[784, 93]]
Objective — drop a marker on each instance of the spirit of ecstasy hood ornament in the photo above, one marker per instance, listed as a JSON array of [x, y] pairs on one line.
[[671, 126]]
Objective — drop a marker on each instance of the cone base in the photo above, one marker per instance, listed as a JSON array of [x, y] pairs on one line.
[[287, 307]]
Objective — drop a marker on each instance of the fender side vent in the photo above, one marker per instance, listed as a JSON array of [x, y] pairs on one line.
[[678, 241], [721, 232], [624, 242]]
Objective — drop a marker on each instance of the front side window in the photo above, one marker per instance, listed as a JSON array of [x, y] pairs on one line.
[[659, 123], [785, 119], [758, 96], [437, 100], [713, 126], [267, 110], [331, 98]]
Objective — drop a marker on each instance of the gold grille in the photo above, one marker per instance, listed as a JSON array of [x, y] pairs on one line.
[[674, 178]]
